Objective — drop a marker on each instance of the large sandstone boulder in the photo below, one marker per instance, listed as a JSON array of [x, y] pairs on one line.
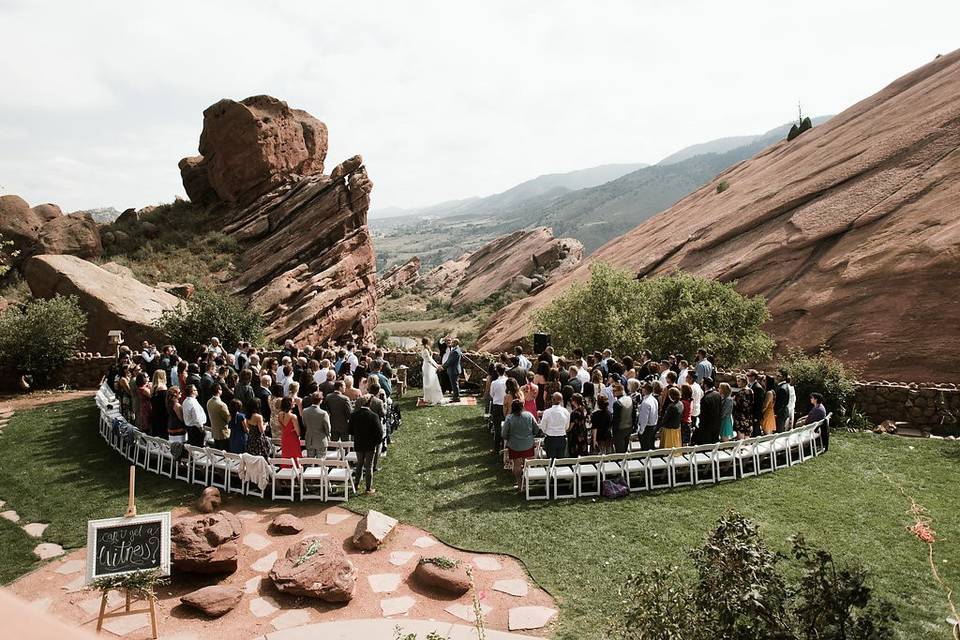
[[205, 543], [20, 225], [850, 232], [252, 146], [48, 211], [398, 276], [372, 530], [215, 600], [433, 573], [111, 301], [76, 234], [315, 567]]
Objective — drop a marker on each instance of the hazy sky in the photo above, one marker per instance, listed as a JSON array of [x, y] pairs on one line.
[[100, 100]]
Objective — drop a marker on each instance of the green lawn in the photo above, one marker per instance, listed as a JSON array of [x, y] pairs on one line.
[[440, 476]]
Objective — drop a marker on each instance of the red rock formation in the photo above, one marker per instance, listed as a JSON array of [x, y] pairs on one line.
[[521, 260], [397, 276], [850, 232], [307, 259], [44, 229]]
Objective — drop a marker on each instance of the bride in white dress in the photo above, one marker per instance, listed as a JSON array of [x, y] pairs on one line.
[[432, 393]]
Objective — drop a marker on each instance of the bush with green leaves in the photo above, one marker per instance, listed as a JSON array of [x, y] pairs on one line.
[[209, 313], [666, 314], [824, 374], [741, 589], [38, 338]]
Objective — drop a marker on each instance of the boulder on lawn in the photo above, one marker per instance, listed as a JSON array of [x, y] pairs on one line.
[[214, 600], [315, 567], [443, 574], [205, 543], [372, 530], [286, 524], [209, 500]]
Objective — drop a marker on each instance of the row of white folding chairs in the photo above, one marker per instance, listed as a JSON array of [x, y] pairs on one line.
[[668, 468]]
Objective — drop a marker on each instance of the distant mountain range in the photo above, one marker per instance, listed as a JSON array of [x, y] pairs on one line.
[[102, 215]]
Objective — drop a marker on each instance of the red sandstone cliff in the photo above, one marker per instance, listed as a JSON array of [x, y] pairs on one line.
[[850, 231]]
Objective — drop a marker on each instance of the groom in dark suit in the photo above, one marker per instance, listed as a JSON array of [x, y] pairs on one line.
[[452, 365]]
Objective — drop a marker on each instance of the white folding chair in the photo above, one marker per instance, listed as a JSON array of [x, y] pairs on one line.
[[198, 462], [725, 460], [347, 452], [703, 458], [250, 488], [337, 480], [234, 481], [747, 457], [537, 471], [141, 450], [611, 466], [182, 468], [658, 464], [682, 466], [589, 467], [636, 470], [286, 472], [334, 450], [817, 435], [781, 450], [564, 470], [311, 478], [764, 454], [160, 449], [218, 467]]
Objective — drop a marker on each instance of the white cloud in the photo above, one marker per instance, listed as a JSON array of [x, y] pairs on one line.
[[443, 99]]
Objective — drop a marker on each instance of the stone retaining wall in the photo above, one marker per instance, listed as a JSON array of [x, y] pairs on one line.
[[80, 373]]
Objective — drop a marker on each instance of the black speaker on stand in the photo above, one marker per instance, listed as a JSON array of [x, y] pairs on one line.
[[540, 342]]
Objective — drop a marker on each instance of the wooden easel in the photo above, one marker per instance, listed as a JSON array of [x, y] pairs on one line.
[[127, 611]]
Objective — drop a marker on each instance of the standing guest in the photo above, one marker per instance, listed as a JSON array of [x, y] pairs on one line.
[[555, 423], [244, 389], [219, 414], [208, 381], [670, 432], [686, 399], [158, 404], [176, 429], [791, 402], [704, 368], [316, 427], [517, 372], [339, 408], [238, 426], [350, 389], [540, 379], [781, 403], [193, 377], [743, 409], [769, 420], [498, 394], [194, 417], [817, 413], [622, 418], [273, 427], [524, 361], [144, 391], [263, 397], [258, 442], [530, 392], [289, 431], [367, 432], [602, 421], [759, 400], [577, 434], [648, 414], [453, 369], [574, 380], [297, 401], [695, 399], [708, 431], [513, 392], [726, 413], [518, 433]]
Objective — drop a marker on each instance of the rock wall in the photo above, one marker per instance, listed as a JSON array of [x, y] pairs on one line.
[[79, 373]]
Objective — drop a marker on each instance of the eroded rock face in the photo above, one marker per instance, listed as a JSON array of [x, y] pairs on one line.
[[532, 255], [397, 276], [315, 567], [44, 229], [205, 543], [215, 600], [372, 530], [112, 301], [252, 146], [850, 231]]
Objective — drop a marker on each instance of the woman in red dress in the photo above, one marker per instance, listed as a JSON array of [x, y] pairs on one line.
[[289, 431]]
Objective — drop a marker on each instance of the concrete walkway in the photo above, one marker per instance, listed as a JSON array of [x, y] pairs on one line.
[[379, 628]]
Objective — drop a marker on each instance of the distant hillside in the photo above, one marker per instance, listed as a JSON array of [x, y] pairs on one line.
[[102, 215], [722, 145]]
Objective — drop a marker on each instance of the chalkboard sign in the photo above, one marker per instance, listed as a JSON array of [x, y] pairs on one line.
[[116, 546]]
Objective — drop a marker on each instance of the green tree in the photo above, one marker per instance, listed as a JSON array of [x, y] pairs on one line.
[[210, 313], [38, 338], [823, 373]]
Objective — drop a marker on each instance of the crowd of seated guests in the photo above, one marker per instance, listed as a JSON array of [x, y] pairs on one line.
[[248, 402], [595, 403]]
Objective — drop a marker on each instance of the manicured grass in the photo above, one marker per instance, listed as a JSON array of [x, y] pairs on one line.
[[440, 475]]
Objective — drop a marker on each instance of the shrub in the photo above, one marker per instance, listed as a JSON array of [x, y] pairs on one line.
[[38, 338], [383, 337], [6, 254], [740, 589], [822, 373], [722, 186], [210, 313], [666, 314]]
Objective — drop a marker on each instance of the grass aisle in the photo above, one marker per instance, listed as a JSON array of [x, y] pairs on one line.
[[439, 475]]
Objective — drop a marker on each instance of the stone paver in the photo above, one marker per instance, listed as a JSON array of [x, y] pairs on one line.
[[424, 542], [400, 558], [517, 587], [41, 604], [47, 550], [126, 624], [91, 606], [265, 563], [384, 582], [294, 618], [77, 584], [466, 612], [396, 606], [253, 584], [71, 566], [246, 515], [35, 529], [529, 617], [256, 541], [10, 515], [337, 518], [487, 563], [263, 606], [275, 509]]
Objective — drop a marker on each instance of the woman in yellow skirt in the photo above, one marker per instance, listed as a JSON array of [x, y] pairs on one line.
[[672, 415], [769, 421]]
